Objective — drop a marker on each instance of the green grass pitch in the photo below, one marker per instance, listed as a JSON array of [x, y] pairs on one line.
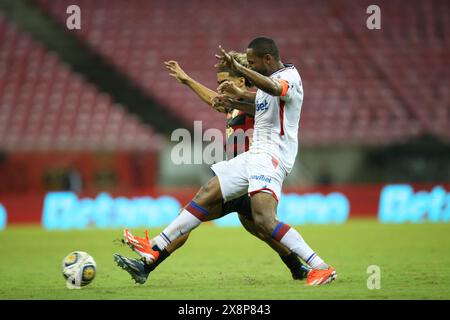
[[228, 263]]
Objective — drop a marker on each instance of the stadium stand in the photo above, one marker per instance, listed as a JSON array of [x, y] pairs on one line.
[[347, 100], [412, 52], [46, 106]]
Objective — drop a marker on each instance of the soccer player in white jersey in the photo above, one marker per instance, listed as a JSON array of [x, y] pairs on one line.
[[260, 172], [238, 139]]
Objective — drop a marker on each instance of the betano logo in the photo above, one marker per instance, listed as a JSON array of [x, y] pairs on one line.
[[3, 217], [399, 204], [314, 208], [64, 210]]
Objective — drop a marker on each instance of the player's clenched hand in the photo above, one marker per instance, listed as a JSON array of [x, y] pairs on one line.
[[226, 60], [176, 71], [222, 103], [230, 89]]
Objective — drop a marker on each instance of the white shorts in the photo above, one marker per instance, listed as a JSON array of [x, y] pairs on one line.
[[249, 173]]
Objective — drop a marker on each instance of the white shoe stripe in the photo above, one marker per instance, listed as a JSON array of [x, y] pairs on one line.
[[316, 282]]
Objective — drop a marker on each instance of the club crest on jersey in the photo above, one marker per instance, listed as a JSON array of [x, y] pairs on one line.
[[262, 106]]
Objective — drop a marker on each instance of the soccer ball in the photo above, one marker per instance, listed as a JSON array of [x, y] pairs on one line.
[[79, 269]]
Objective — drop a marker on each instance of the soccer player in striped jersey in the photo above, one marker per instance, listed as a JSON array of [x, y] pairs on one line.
[[238, 140]]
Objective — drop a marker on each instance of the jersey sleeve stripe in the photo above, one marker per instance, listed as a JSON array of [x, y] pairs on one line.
[[285, 86], [282, 117]]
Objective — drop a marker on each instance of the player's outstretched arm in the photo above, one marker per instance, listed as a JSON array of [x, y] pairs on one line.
[[228, 103], [206, 94], [264, 83]]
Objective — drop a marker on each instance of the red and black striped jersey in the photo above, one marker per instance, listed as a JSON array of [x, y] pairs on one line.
[[239, 132]]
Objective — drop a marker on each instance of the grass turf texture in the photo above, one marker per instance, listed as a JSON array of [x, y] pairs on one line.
[[228, 263]]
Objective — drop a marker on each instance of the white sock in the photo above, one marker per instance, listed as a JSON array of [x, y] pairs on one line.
[[189, 218], [294, 241]]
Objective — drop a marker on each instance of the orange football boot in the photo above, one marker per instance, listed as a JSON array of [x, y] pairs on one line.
[[141, 246], [318, 277]]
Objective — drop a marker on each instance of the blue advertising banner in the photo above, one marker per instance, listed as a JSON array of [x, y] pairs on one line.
[[64, 210], [400, 204]]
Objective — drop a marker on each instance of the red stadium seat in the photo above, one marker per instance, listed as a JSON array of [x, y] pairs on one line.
[[46, 106], [370, 87]]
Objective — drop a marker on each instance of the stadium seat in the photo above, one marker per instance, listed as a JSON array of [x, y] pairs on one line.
[[380, 83], [46, 106]]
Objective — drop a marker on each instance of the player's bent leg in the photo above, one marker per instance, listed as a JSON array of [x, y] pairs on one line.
[[251, 227], [242, 205], [189, 218], [229, 181], [180, 241], [177, 243], [264, 208], [298, 270], [200, 209], [263, 212], [164, 254], [209, 196], [139, 269]]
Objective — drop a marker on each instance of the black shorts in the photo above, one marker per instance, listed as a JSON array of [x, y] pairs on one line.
[[241, 205]]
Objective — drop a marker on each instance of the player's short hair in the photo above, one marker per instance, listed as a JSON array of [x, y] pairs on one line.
[[262, 46], [241, 58]]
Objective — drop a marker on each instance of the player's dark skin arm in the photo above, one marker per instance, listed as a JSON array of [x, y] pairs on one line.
[[260, 81], [264, 83]]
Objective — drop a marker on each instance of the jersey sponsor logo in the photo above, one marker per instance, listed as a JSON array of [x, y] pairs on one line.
[[261, 177], [263, 106]]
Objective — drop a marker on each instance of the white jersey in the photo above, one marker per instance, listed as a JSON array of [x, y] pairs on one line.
[[277, 119]]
